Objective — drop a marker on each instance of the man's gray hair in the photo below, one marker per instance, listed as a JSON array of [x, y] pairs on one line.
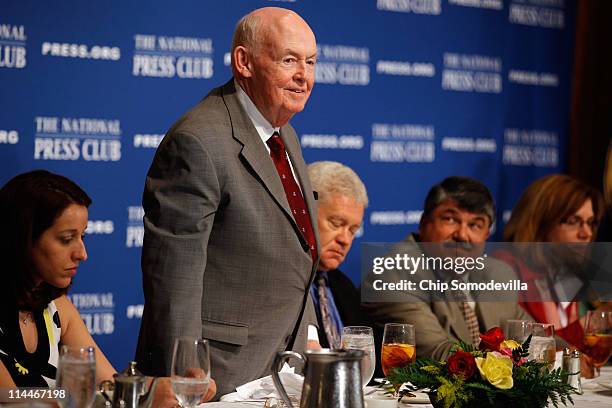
[[246, 32], [328, 178]]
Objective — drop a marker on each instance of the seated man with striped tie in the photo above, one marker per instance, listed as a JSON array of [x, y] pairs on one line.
[[458, 213], [342, 200]]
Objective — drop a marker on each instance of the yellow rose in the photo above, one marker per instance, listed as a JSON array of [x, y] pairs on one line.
[[496, 369], [511, 344]]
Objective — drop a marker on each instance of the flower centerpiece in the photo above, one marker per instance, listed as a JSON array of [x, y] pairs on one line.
[[497, 374]]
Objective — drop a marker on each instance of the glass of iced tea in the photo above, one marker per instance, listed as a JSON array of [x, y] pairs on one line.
[[598, 337], [398, 348]]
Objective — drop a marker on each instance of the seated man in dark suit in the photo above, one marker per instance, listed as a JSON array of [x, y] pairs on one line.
[[342, 200], [459, 213]]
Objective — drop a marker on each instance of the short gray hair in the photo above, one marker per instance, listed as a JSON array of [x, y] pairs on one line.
[[328, 178], [246, 32]]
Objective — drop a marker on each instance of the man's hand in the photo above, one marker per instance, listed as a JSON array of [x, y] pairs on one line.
[[212, 390], [313, 345], [164, 396]]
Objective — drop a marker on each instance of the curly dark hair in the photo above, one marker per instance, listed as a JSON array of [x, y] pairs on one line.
[[29, 204]]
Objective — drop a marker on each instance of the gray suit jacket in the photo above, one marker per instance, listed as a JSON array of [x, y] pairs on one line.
[[440, 324], [223, 258]]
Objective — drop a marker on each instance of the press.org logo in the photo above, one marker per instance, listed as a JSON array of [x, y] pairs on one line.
[[69, 50], [9, 137], [100, 227]]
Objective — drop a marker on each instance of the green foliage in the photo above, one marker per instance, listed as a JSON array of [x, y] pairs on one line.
[[522, 351], [451, 393], [421, 374], [461, 345], [432, 369], [540, 385]]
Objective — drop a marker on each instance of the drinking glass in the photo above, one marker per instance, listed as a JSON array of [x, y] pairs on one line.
[[398, 348], [517, 330], [76, 373], [542, 346], [598, 337], [361, 338], [190, 372]]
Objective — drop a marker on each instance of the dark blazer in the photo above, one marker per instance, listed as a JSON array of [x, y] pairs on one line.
[[223, 258]]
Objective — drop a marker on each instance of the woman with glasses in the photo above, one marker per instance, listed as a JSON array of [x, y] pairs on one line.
[[556, 209]]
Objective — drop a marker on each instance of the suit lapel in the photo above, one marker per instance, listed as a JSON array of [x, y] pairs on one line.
[[488, 314]]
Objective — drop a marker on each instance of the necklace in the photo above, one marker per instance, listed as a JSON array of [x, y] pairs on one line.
[[26, 318]]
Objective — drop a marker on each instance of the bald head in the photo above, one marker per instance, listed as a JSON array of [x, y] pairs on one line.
[[252, 29], [273, 57]]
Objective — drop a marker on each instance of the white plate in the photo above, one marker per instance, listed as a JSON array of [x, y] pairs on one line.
[[607, 385], [419, 398]]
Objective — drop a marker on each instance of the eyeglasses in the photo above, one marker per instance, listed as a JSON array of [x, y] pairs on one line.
[[575, 222]]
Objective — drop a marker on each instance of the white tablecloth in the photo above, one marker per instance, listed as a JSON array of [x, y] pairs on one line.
[[595, 396]]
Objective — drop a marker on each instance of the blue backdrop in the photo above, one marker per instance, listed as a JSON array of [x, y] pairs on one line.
[[407, 92]]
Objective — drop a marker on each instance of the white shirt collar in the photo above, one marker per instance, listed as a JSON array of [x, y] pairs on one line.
[[263, 127]]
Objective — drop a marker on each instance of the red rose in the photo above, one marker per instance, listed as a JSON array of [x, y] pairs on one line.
[[492, 339], [462, 363]]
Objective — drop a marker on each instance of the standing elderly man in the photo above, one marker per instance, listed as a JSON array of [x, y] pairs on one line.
[[458, 214], [342, 201], [230, 235]]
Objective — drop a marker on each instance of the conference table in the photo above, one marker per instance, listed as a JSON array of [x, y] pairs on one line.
[[595, 396]]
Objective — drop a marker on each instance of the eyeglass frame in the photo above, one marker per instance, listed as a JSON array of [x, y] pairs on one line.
[[577, 222]]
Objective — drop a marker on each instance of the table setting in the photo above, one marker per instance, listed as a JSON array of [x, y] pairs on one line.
[[597, 394], [399, 357]]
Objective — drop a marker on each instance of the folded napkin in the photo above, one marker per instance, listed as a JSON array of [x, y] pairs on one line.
[[263, 388]]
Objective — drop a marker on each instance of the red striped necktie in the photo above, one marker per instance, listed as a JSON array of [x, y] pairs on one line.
[[292, 191]]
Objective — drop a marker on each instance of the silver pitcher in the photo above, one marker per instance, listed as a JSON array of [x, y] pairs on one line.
[[332, 378], [130, 389]]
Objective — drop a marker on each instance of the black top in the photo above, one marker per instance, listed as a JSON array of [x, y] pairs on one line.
[[35, 369]]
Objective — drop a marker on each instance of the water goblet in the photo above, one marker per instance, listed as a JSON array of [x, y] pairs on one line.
[[542, 346], [517, 330], [190, 372], [76, 373], [361, 338]]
